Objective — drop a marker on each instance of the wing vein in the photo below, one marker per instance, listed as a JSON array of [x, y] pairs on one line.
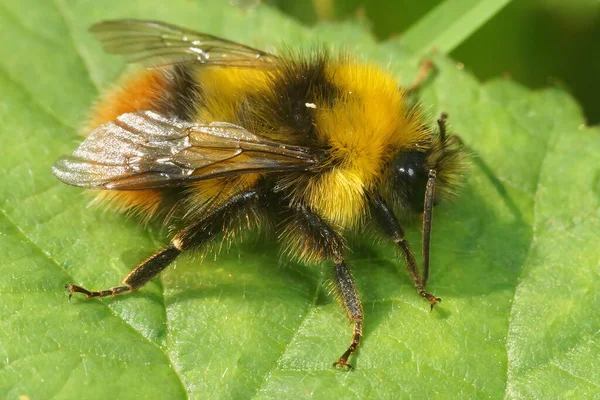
[[145, 150]]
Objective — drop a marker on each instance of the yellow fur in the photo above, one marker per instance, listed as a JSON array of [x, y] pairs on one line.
[[223, 89], [206, 194], [364, 130]]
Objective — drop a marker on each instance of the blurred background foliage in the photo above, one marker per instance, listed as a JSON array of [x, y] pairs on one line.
[[535, 42]]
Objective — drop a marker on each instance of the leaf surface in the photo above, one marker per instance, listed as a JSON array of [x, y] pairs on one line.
[[515, 258]]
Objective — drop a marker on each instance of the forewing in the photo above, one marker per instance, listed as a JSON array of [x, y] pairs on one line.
[[144, 150], [159, 43]]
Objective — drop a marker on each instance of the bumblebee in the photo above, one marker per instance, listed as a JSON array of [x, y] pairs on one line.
[[216, 137]]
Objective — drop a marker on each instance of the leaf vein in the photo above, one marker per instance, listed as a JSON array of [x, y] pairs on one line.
[[53, 262], [309, 309], [32, 99], [511, 313]]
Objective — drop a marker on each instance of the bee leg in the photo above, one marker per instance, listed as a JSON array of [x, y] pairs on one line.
[[390, 226], [144, 272], [426, 69], [101, 293], [315, 240], [348, 294], [192, 236]]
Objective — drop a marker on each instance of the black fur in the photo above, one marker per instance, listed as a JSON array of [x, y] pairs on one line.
[[315, 235], [183, 95], [283, 110]]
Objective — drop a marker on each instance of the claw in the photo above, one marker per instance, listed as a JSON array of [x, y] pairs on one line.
[[343, 364], [69, 287], [432, 299], [77, 289]]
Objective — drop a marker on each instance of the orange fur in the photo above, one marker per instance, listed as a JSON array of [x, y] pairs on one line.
[[139, 92], [222, 89]]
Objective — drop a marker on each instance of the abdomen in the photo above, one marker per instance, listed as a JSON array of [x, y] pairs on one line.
[[191, 93]]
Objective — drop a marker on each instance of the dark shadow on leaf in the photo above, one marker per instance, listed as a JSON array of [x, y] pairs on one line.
[[304, 278], [220, 291], [478, 162]]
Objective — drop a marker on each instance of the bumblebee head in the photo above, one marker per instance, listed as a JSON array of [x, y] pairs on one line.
[[440, 157]]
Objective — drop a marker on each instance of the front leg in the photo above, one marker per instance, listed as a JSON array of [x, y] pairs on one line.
[[308, 237], [390, 226]]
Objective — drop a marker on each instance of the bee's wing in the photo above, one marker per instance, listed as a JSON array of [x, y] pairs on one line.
[[144, 150], [159, 43]]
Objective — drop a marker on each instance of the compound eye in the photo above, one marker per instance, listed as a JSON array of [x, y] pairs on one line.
[[410, 177], [409, 171]]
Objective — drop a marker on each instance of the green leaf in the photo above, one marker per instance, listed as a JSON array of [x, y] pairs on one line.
[[515, 258], [449, 24]]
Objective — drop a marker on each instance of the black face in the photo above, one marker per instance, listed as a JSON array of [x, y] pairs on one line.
[[410, 178]]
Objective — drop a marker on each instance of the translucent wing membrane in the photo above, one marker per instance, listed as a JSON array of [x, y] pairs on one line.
[[145, 150], [158, 43]]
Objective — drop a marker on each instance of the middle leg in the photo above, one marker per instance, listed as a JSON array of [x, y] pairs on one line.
[[311, 239]]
